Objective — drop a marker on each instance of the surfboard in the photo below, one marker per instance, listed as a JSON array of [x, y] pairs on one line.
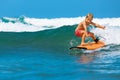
[[90, 45]]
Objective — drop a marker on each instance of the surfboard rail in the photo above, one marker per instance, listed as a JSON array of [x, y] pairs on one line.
[[90, 45]]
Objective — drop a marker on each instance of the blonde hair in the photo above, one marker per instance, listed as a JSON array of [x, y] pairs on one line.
[[89, 15]]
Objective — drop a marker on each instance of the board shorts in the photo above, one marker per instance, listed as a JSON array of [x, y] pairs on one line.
[[78, 33]]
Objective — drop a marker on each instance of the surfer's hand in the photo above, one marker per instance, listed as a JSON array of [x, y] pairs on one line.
[[103, 27]]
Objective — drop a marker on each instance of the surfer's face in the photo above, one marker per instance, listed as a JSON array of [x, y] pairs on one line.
[[89, 20]]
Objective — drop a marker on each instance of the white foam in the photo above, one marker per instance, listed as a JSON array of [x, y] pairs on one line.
[[43, 24], [17, 27], [37, 24], [111, 33], [71, 21], [54, 22]]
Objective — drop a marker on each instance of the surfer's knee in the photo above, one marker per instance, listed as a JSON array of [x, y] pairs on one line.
[[91, 34]]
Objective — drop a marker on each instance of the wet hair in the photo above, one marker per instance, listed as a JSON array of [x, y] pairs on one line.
[[89, 15]]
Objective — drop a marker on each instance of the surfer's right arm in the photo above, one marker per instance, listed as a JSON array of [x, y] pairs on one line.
[[78, 27], [85, 27], [82, 26], [99, 26]]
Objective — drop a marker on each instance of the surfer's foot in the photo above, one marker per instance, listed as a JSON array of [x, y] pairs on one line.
[[96, 40], [82, 44]]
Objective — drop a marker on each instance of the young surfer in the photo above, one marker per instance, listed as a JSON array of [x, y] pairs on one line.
[[81, 30]]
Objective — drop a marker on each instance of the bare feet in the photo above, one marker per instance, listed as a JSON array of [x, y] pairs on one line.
[[82, 44]]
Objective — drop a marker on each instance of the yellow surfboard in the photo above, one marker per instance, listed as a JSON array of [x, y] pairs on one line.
[[91, 45]]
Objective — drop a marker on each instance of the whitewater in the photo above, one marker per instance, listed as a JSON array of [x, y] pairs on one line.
[[25, 24], [22, 24]]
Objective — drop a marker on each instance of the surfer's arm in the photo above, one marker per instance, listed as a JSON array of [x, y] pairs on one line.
[[77, 27], [97, 25], [85, 28]]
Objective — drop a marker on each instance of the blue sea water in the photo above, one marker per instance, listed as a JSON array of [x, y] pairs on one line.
[[30, 49]]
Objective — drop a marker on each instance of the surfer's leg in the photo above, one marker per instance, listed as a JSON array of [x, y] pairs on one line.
[[83, 39], [93, 37]]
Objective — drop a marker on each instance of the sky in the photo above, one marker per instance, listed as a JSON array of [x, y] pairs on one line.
[[59, 8]]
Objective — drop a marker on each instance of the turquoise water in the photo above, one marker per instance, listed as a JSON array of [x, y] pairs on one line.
[[27, 54]]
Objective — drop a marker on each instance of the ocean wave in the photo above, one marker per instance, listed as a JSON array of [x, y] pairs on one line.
[[59, 38], [26, 24]]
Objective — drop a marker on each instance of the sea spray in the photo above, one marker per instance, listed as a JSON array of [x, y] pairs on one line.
[[26, 24]]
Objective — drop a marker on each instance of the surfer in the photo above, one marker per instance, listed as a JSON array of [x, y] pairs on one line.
[[81, 30]]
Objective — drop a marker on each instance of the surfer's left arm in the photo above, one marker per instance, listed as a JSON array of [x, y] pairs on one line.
[[97, 25]]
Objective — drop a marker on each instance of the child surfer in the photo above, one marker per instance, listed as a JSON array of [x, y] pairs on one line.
[[81, 30]]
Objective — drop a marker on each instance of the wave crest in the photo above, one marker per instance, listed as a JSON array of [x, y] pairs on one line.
[[26, 24]]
